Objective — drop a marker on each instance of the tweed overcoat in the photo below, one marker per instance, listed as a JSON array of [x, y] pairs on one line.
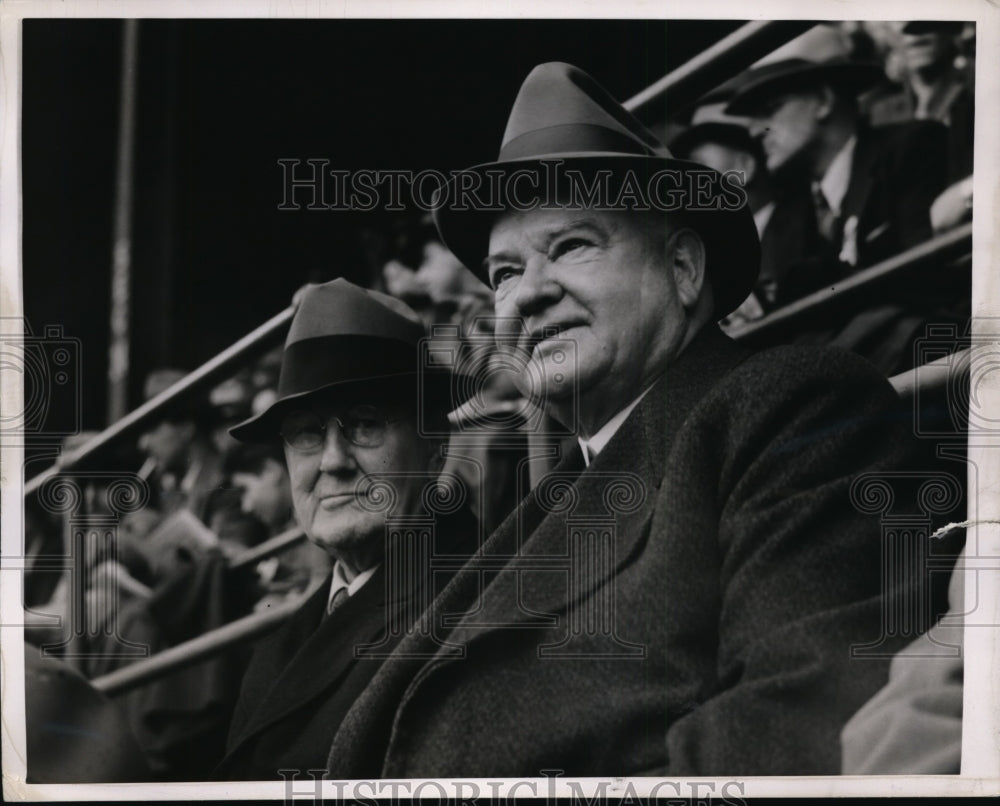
[[739, 579]]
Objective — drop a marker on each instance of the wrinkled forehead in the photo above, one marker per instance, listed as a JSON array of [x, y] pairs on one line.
[[539, 226]]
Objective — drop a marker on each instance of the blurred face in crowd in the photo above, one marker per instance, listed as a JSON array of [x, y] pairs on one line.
[[441, 274], [591, 303], [266, 494], [788, 126], [329, 465], [168, 444], [929, 50]]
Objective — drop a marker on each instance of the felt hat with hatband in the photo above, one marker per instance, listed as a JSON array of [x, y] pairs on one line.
[[350, 342], [564, 129]]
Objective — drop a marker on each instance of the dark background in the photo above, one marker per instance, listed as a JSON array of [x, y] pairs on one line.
[[219, 102]]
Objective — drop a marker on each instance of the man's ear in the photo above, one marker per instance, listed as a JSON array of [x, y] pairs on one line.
[[747, 164], [825, 100], [687, 261], [435, 457]]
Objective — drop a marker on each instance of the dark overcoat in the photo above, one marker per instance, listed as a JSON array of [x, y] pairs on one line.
[[897, 172], [303, 677], [714, 638]]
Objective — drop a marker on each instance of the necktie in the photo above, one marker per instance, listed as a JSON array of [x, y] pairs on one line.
[[337, 599], [827, 221]]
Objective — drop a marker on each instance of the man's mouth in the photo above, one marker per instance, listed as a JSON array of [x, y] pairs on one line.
[[335, 500], [548, 333]]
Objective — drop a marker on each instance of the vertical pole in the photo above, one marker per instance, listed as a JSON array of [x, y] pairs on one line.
[[121, 262]]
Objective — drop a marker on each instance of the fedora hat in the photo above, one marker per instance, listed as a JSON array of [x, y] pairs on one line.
[[563, 117], [348, 339], [769, 80], [711, 123]]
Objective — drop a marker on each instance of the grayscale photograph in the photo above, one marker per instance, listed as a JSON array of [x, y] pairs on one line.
[[535, 406]]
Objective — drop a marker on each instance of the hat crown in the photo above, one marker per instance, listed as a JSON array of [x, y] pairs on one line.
[[340, 308], [342, 338], [562, 110]]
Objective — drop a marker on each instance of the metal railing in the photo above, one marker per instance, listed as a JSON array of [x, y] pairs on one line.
[[268, 548], [200, 380], [939, 249], [201, 648], [933, 376], [717, 63]]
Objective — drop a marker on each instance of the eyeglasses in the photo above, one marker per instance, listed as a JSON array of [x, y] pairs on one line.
[[305, 431]]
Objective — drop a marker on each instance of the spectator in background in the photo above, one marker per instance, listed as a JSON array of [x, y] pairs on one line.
[[259, 473], [782, 212], [430, 279], [935, 69], [913, 726], [231, 403], [186, 467], [458, 310], [872, 187], [932, 65], [940, 81]]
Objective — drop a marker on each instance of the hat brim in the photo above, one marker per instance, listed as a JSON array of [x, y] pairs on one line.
[[730, 233], [731, 134], [437, 388], [854, 77]]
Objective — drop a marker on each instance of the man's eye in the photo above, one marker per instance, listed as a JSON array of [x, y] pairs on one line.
[[501, 275], [566, 246]]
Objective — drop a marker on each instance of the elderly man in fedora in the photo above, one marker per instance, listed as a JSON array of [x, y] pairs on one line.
[[681, 595], [363, 452]]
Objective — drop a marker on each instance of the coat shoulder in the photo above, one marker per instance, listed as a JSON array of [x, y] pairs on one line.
[[777, 373]]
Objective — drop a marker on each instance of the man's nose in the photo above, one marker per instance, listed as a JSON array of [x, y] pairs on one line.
[[536, 289], [338, 452]]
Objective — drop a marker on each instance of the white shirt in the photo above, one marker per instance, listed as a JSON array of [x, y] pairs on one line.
[[340, 581], [594, 445], [838, 176]]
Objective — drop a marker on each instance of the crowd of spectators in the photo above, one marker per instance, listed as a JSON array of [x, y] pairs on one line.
[[855, 142]]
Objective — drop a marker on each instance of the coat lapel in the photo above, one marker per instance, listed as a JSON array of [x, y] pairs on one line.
[[618, 491], [863, 166], [320, 650]]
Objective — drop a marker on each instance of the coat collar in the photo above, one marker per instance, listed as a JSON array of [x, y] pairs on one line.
[[310, 653]]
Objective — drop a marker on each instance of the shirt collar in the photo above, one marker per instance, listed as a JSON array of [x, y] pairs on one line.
[[762, 216], [340, 580], [838, 175], [593, 446]]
